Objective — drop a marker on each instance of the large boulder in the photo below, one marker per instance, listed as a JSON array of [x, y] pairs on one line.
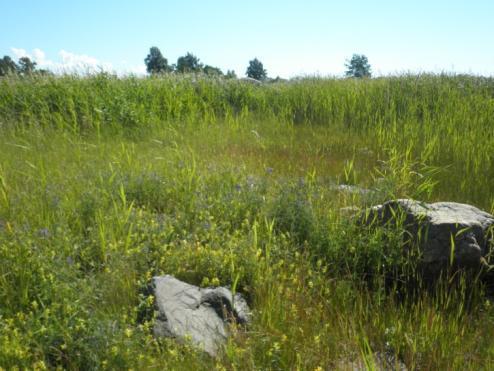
[[448, 233], [201, 315]]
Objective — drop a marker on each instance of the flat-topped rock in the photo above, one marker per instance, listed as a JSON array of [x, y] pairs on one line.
[[201, 315], [447, 212], [444, 230]]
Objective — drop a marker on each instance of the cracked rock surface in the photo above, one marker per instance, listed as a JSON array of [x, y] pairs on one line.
[[440, 228], [202, 315]]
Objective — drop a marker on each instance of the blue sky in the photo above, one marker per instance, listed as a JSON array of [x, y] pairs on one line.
[[290, 37]]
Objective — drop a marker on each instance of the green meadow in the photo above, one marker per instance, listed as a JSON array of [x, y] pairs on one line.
[[106, 182]]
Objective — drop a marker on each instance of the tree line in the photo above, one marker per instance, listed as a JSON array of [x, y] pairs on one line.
[[358, 66], [23, 67], [156, 63]]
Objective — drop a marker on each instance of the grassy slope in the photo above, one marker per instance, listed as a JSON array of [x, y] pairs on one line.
[[106, 182]]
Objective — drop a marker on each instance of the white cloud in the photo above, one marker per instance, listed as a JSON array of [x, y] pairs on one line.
[[126, 69], [136, 70], [82, 63], [20, 53], [68, 62], [39, 57]]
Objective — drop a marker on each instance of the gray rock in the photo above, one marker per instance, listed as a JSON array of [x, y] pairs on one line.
[[436, 225], [201, 315]]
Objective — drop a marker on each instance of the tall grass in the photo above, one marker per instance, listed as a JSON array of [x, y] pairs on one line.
[[444, 120], [105, 182]]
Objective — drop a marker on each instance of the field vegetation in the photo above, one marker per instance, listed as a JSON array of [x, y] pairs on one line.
[[106, 182]]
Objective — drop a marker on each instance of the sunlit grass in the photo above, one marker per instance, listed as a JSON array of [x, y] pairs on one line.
[[106, 182]]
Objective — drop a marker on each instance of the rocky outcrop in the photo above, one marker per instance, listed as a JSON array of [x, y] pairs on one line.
[[185, 311], [448, 233]]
